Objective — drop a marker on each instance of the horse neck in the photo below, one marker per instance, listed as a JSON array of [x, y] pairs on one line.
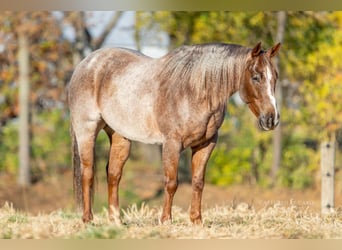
[[235, 73], [232, 68], [210, 75]]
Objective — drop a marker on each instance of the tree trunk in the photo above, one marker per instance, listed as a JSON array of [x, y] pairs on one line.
[[24, 90], [137, 30], [277, 136]]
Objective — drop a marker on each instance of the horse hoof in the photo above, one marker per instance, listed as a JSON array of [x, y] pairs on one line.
[[165, 221], [197, 222], [87, 218]]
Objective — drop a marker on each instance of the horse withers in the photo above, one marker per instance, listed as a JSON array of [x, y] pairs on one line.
[[178, 101]]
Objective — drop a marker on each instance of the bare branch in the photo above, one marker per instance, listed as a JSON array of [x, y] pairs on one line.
[[97, 43]]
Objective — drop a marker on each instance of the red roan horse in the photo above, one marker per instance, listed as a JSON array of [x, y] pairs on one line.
[[178, 100]]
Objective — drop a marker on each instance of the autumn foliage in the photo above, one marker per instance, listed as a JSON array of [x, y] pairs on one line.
[[310, 77]]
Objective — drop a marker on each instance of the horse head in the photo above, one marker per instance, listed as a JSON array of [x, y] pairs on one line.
[[257, 88]]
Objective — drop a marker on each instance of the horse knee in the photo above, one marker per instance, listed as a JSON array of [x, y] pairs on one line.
[[197, 184], [113, 176], [171, 186]]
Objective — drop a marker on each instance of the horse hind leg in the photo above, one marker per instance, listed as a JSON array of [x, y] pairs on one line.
[[118, 155], [85, 137]]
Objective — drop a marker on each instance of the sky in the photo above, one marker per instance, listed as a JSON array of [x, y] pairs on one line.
[[123, 34]]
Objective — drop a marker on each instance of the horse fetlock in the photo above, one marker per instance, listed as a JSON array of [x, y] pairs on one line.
[[197, 221], [196, 217], [165, 220], [87, 217]]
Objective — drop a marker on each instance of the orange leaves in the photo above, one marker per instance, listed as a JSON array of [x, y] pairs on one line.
[[49, 54], [8, 74]]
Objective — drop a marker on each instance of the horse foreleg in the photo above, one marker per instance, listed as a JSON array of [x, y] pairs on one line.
[[170, 160], [119, 152], [200, 157]]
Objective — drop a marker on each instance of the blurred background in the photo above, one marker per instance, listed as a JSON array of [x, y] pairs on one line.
[[39, 50]]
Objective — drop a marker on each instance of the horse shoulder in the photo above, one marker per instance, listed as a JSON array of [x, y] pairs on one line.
[[189, 122], [206, 128]]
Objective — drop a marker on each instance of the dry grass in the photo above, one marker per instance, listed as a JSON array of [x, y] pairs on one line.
[[239, 222]]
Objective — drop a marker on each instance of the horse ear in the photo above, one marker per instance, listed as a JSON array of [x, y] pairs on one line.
[[274, 50], [256, 50]]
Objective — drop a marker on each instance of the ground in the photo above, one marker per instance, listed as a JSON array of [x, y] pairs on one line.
[[46, 210], [56, 193]]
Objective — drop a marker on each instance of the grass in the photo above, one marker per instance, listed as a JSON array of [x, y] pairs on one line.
[[235, 222]]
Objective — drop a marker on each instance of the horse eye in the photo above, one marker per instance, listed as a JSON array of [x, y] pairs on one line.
[[256, 78]]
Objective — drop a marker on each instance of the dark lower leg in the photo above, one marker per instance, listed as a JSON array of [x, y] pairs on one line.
[[87, 161], [200, 157], [119, 152], [170, 189], [171, 152], [195, 210], [87, 183]]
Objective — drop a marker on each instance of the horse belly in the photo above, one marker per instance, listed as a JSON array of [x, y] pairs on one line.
[[136, 129], [132, 116]]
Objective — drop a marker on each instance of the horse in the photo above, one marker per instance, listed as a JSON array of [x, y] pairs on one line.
[[178, 101]]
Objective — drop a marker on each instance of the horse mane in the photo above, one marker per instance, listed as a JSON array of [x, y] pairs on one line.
[[208, 72]]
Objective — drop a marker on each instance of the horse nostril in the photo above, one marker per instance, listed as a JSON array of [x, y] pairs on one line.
[[264, 123], [268, 122]]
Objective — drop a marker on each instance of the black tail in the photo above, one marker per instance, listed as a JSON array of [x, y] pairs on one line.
[[77, 168]]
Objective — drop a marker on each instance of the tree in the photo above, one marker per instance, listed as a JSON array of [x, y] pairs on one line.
[[277, 136], [47, 70], [84, 41], [322, 89], [52, 58], [24, 91]]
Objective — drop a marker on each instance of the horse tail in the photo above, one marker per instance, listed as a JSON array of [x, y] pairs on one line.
[[77, 179]]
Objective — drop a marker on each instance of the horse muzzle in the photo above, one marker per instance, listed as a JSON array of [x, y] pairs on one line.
[[268, 122]]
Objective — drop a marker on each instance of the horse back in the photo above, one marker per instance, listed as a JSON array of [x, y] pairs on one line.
[[98, 68]]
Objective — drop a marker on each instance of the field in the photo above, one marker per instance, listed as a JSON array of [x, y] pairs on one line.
[[46, 211], [240, 222]]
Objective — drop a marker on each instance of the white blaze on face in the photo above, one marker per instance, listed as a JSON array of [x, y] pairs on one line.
[[269, 92]]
